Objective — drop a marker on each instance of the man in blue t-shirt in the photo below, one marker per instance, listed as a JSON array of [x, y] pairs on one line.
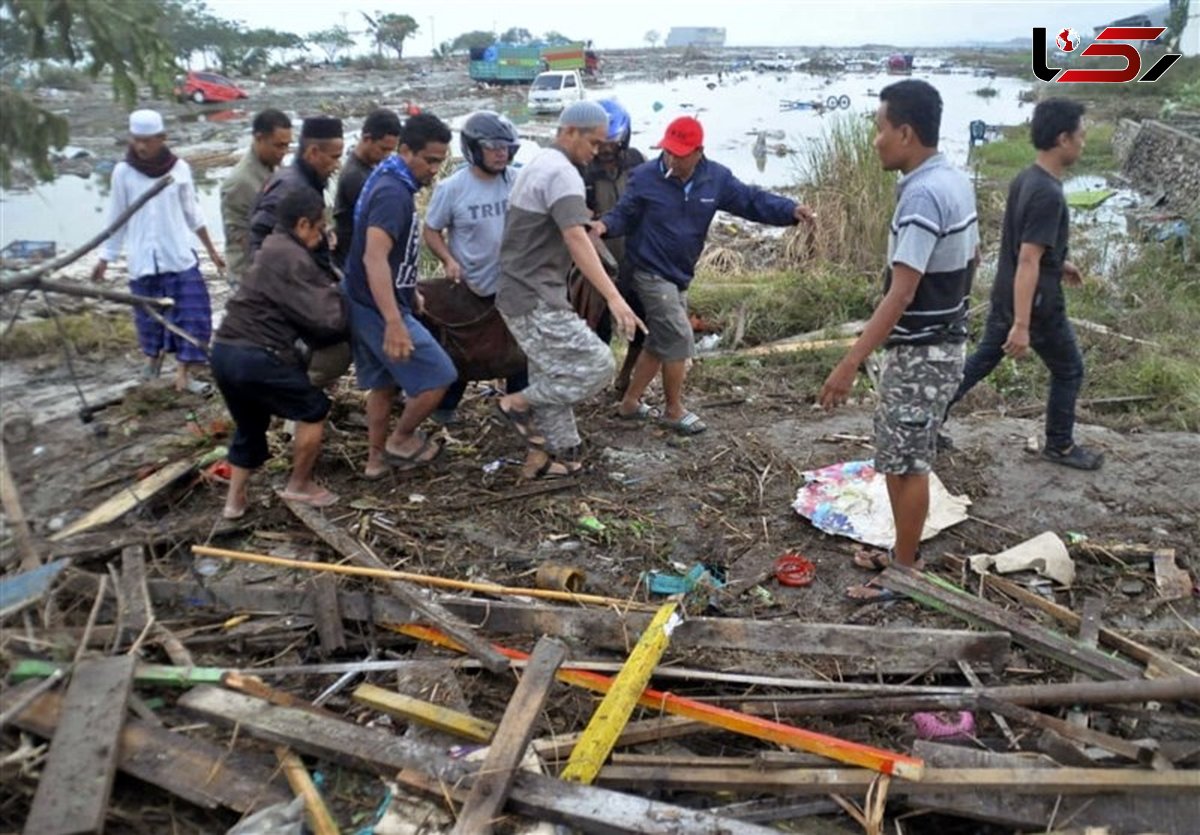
[[391, 348], [921, 323]]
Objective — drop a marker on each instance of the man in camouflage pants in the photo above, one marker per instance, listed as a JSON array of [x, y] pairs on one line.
[[546, 229], [921, 321]]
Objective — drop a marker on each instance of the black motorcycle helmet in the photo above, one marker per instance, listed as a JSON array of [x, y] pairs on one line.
[[486, 127]]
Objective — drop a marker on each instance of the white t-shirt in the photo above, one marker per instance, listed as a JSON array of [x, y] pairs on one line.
[[471, 210]]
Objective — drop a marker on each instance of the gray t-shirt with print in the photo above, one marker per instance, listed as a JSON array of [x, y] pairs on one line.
[[547, 198], [471, 209]]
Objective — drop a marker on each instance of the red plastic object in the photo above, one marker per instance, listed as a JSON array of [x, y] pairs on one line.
[[219, 471], [792, 569]]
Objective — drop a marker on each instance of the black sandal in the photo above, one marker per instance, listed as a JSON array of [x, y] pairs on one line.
[[884, 595], [543, 473], [522, 422], [878, 561]]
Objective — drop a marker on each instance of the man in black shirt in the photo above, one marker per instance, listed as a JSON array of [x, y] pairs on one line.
[[379, 140], [1028, 308]]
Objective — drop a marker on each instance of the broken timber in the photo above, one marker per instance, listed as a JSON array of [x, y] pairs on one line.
[[72, 794], [902, 650], [199, 772], [14, 513], [1157, 664], [936, 593], [126, 499], [350, 548], [587, 808], [320, 820], [614, 710], [494, 780], [411, 709], [852, 753]]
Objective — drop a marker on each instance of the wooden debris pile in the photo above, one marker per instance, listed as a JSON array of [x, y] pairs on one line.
[[385, 699]]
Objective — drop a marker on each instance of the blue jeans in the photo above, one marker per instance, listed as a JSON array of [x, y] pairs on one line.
[[1053, 339]]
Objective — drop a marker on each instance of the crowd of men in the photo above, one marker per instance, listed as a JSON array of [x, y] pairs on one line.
[[530, 245]]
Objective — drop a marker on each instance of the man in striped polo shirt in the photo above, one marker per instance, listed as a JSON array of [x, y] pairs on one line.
[[922, 320]]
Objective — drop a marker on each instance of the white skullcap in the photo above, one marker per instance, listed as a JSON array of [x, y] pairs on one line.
[[146, 123], [583, 114]]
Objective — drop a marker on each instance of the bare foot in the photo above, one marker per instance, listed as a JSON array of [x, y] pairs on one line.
[[318, 497]]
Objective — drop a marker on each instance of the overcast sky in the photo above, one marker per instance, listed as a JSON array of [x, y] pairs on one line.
[[614, 23]]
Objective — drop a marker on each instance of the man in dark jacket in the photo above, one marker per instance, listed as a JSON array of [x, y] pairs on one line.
[[379, 139], [288, 295], [665, 214], [319, 155]]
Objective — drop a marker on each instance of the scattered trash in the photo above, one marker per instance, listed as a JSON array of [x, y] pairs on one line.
[[493, 467], [708, 343], [1074, 538], [793, 569], [661, 582], [591, 524], [1089, 199], [850, 499], [551, 575], [1045, 553]]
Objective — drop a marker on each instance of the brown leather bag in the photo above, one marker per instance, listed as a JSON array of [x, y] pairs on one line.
[[471, 331]]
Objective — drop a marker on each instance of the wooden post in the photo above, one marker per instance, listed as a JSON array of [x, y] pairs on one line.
[[492, 784], [134, 599], [298, 778], [11, 499]]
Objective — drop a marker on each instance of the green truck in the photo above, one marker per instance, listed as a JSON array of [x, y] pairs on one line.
[[508, 64]]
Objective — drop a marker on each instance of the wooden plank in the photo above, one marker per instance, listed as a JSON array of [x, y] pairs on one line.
[[415, 710], [1157, 664], [586, 808], [1026, 780], [197, 771], [852, 753], [553, 748], [72, 795], [1089, 635], [352, 549], [898, 650], [134, 599], [14, 513], [937, 593], [327, 614], [126, 499], [493, 782], [319, 818], [973, 678], [614, 710], [28, 586]]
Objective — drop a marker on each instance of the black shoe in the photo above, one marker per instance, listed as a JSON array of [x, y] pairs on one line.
[[1081, 458]]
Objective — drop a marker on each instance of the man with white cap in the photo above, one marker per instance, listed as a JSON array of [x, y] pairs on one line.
[[158, 242], [546, 229]]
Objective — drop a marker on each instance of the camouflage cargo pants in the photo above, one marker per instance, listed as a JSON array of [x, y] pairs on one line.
[[916, 383], [567, 364]]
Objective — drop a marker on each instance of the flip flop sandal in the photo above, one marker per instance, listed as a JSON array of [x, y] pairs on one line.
[[883, 596], [522, 422], [199, 387], [232, 516], [641, 413], [689, 424], [416, 459], [544, 472], [382, 474], [878, 560], [325, 498]]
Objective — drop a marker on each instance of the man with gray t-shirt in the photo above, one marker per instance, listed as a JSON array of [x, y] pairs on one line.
[[469, 208], [546, 229]]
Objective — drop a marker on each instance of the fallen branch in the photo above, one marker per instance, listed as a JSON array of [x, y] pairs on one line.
[[32, 276]]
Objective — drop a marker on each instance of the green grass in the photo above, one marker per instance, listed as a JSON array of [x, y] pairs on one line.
[[1003, 159], [88, 333]]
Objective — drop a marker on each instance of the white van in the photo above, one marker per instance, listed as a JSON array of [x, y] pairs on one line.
[[552, 91]]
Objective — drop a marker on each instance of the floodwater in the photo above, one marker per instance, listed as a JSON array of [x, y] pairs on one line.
[[741, 114]]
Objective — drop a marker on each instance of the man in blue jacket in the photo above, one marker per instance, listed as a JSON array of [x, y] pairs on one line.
[[664, 215]]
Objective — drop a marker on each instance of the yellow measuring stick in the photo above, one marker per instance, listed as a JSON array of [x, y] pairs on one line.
[[612, 715], [425, 713]]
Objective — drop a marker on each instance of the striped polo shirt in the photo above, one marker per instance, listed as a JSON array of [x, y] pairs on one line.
[[934, 231]]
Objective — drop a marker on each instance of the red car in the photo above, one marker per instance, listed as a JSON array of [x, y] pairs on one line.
[[203, 87]]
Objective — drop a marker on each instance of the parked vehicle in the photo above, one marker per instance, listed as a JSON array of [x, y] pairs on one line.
[[510, 64], [203, 87], [552, 91]]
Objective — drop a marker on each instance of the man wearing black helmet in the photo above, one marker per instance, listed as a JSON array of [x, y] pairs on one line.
[[605, 180], [469, 208]]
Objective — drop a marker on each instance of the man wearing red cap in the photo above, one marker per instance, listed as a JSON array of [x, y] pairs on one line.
[[665, 214]]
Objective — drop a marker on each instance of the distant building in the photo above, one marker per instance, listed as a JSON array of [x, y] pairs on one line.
[[696, 36]]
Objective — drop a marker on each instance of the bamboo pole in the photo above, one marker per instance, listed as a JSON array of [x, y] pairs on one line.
[[420, 579], [298, 778]]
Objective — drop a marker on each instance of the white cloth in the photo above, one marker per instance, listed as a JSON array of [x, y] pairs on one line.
[[146, 123], [159, 237]]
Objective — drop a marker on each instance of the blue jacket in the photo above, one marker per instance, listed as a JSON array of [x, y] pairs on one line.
[[666, 221]]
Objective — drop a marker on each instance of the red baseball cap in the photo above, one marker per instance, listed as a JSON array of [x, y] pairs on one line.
[[683, 136]]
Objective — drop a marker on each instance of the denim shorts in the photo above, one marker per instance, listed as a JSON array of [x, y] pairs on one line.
[[428, 367]]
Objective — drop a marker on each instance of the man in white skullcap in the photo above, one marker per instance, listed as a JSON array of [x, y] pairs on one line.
[[546, 229], [162, 262]]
